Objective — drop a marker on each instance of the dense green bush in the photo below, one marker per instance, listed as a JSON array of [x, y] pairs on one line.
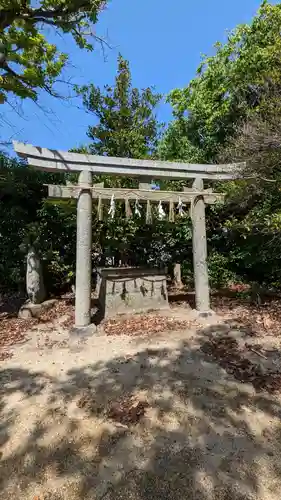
[[24, 219]]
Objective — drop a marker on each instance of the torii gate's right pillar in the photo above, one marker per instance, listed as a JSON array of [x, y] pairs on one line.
[[199, 241]]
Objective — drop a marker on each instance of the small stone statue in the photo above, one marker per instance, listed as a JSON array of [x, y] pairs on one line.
[[34, 278]]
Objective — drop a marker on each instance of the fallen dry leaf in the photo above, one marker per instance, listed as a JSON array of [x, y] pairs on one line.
[[143, 324], [267, 322], [126, 410], [262, 320], [13, 330], [226, 352]]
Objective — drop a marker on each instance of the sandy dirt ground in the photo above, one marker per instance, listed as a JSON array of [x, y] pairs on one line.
[[204, 436]]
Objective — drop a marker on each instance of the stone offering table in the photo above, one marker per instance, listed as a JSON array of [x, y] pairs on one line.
[[131, 290]]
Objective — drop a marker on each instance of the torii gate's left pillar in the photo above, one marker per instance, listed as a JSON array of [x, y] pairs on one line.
[[84, 252]]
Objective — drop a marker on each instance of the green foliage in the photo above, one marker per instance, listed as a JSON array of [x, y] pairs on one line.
[[20, 194], [24, 219], [163, 243], [28, 61], [231, 112], [220, 272], [175, 144], [126, 122], [229, 84], [55, 231]]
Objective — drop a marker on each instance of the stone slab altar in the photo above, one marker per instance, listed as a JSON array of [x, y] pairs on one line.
[[129, 290]]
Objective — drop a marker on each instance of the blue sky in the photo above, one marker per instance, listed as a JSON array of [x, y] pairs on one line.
[[163, 41]]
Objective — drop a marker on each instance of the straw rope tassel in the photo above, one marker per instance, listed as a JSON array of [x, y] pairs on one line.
[[148, 213], [171, 212], [128, 210], [100, 209]]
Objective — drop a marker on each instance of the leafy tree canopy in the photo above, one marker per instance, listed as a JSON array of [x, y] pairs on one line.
[[126, 121], [229, 84], [175, 144], [28, 61]]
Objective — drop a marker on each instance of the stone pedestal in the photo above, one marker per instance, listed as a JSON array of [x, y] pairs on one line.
[[131, 290]]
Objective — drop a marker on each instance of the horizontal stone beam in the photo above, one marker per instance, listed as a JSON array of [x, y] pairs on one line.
[[129, 172], [61, 161], [61, 191]]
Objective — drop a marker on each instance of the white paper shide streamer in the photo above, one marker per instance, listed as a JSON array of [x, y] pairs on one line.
[[112, 207], [137, 208], [180, 208], [161, 212]]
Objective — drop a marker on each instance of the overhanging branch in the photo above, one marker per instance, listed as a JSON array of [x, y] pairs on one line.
[[8, 16]]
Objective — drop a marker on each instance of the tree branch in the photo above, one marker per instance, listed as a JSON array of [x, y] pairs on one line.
[[60, 11], [27, 85], [9, 15], [12, 73]]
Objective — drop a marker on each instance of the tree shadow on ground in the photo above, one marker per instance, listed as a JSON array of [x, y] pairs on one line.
[[204, 436]]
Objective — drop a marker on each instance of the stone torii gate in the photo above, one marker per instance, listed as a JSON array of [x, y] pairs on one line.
[[146, 170]]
